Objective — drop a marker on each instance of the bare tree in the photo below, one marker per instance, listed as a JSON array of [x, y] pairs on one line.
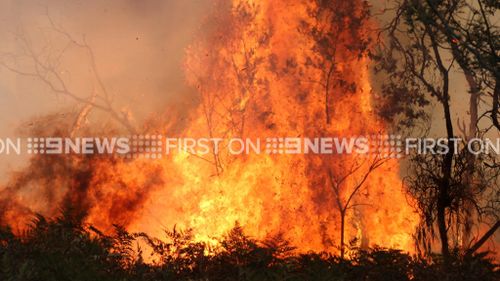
[[46, 67], [344, 194]]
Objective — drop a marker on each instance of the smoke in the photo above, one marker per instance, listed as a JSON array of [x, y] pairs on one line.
[[138, 45], [249, 71], [138, 49]]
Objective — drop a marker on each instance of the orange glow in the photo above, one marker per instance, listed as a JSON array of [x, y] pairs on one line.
[[245, 86], [254, 80]]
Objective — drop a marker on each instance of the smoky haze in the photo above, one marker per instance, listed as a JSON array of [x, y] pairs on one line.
[[139, 48], [138, 45]]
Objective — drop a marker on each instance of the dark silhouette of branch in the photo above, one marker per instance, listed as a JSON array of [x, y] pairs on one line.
[[483, 239], [337, 183], [48, 73]]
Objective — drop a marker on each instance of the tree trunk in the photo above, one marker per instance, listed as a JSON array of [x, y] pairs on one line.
[[342, 230], [469, 179], [443, 232], [496, 104], [443, 197]]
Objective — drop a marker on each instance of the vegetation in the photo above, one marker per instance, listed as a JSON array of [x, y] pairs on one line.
[[423, 48], [426, 46], [66, 249]]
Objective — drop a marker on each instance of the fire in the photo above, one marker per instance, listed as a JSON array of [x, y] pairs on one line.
[[261, 72], [252, 75]]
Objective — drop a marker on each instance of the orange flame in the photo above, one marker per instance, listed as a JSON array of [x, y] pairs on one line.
[[252, 74], [259, 73]]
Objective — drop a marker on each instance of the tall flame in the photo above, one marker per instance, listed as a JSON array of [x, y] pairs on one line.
[[262, 70], [255, 79]]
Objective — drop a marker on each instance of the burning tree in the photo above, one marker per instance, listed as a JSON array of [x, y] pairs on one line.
[[250, 71], [285, 89], [336, 28], [356, 175]]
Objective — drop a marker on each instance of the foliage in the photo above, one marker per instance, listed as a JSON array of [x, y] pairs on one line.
[[66, 249], [427, 44], [426, 38]]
